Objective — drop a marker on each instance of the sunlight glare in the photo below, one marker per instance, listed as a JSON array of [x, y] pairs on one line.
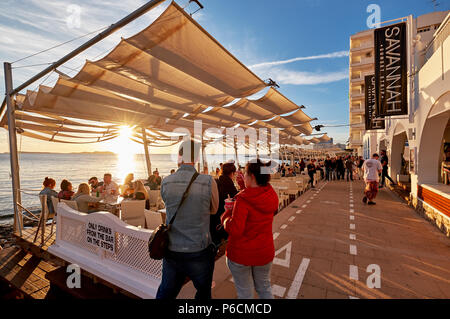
[[126, 153]]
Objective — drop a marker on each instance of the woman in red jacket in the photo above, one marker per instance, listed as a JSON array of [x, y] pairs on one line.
[[250, 249]]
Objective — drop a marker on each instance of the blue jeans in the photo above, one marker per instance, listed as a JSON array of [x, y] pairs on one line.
[[248, 278], [199, 267], [349, 174], [333, 174]]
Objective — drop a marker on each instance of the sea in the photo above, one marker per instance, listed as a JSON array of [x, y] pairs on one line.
[[78, 168]]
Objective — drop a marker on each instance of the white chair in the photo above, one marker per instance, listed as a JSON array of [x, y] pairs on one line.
[[71, 203], [42, 219], [133, 212], [152, 219], [154, 198], [55, 202]]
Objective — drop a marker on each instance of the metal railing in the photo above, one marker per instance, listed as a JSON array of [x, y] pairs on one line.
[[441, 34]]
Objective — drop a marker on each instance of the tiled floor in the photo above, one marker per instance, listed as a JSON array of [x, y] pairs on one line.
[[337, 246]]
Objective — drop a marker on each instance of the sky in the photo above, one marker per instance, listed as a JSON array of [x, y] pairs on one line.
[[301, 44]]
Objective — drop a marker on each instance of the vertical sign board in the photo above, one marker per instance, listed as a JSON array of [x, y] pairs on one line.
[[372, 123], [391, 70], [100, 236]]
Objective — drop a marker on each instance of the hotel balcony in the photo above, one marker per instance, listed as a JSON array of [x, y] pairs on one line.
[[357, 125], [357, 110], [362, 62], [356, 95], [362, 35], [358, 78], [358, 47], [355, 142]]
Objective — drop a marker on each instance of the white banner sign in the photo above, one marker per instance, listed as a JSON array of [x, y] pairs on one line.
[[100, 236]]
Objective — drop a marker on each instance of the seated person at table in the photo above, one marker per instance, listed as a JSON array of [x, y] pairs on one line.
[[109, 186], [84, 199], [154, 181], [290, 173], [127, 188], [95, 185], [49, 185], [66, 192], [140, 193]]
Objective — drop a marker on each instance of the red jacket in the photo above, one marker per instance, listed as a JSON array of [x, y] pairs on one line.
[[249, 226]]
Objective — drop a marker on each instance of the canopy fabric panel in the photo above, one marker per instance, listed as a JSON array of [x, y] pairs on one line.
[[278, 104], [178, 40], [324, 138], [163, 78]]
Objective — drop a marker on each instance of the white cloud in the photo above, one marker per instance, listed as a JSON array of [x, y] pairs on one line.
[[339, 54], [284, 76]]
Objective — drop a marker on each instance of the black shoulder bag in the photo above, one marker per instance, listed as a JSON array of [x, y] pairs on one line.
[[159, 240]]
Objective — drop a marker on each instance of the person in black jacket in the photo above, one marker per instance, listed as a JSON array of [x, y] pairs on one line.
[[340, 168], [384, 174], [226, 187]]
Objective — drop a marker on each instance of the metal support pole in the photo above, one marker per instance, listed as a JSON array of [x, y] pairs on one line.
[[236, 151], [147, 154], [205, 162], [114, 27], [13, 147]]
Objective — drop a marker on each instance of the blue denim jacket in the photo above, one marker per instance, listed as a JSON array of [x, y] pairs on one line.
[[49, 192], [190, 231]]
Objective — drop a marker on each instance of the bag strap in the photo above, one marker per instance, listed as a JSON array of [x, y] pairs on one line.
[[194, 177]]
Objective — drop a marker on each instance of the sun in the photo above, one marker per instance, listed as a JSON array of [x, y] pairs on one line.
[[125, 149]]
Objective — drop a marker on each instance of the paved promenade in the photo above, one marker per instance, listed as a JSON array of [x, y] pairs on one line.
[[330, 245]]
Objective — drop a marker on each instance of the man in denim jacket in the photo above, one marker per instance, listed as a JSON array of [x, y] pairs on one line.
[[190, 252]]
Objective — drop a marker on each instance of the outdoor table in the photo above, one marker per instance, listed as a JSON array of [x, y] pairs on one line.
[[111, 204]]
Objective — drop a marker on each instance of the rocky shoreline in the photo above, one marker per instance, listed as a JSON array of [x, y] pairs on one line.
[[6, 233]]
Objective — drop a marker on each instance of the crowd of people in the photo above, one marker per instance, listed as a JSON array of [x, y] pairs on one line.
[[89, 195], [236, 204], [230, 204]]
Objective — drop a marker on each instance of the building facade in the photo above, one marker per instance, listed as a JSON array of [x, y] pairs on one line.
[[418, 144]]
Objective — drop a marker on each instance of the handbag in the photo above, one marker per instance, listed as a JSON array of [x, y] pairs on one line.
[[159, 240]]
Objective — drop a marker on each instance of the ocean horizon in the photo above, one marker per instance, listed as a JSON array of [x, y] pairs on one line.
[[78, 168]]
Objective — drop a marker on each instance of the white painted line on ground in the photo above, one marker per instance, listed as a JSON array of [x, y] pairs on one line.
[[352, 226], [353, 272], [304, 206], [298, 279], [351, 297], [351, 205], [352, 210], [275, 235], [353, 250], [308, 201], [283, 226], [352, 236], [298, 212], [352, 217], [291, 218], [286, 261], [278, 291]]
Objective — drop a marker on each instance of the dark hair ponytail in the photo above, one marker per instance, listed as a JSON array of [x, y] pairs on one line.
[[260, 171], [48, 182]]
